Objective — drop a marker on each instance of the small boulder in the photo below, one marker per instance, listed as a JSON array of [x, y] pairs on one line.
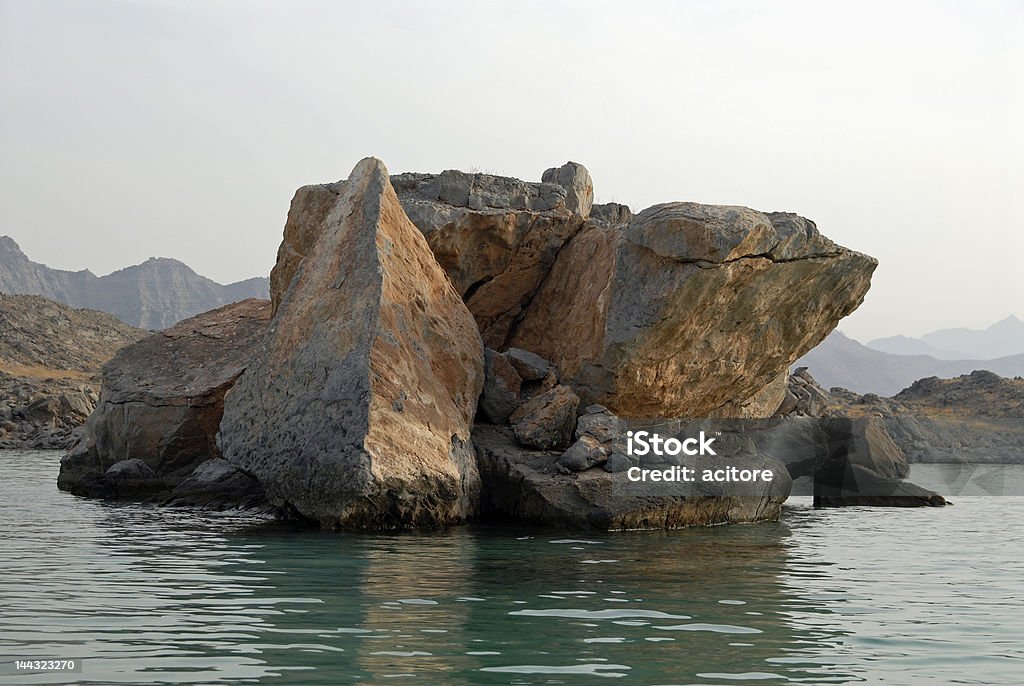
[[599, 423], [585, 453], [130, 479], [546, 422]]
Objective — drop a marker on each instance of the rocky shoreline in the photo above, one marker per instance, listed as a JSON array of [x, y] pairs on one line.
[[441, 348], [50, 360]]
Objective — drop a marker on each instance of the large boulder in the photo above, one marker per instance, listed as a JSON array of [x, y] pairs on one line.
[[356, 412], [546, 421], [162, 399], [690, 310]]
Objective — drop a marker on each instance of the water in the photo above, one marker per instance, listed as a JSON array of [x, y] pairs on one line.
[[854, 596]]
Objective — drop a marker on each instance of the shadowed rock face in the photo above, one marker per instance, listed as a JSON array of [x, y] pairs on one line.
[[357, 411], [162, 399], [691, 310]]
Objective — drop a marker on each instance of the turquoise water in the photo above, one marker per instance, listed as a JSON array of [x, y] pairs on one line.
[[854, 596]]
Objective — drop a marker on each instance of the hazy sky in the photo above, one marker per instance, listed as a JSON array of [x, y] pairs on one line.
[[181, 129]]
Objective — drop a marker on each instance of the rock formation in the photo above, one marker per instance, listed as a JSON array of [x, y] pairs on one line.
[[354, 405], [356, 412], [974, 418], [162, 401]]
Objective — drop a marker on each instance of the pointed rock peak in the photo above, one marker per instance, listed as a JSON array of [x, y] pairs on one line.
[[1013, 321], [367, 167]]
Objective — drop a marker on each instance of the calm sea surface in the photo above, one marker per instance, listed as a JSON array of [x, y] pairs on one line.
[[854, 596]]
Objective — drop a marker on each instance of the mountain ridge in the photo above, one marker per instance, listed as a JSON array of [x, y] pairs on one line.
[[154, 294], [1001, 339]]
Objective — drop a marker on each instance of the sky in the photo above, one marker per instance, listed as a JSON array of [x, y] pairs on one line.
[[181, 129]]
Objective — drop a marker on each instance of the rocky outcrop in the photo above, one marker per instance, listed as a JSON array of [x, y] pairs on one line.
[[357, 402], [974, 418], [50, 359], [152, 295], [162, 400], [357, 411], [691, 310]]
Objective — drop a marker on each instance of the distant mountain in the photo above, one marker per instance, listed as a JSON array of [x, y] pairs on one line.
[[153, 295], [905, 345], [1002, 339], [842, 361]]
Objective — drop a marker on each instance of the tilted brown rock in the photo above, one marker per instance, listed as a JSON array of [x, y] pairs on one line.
[[162, 399], [690, 310], [357, 411]]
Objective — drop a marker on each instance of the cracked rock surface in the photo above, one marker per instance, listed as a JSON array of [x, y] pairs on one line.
[[691, 310]]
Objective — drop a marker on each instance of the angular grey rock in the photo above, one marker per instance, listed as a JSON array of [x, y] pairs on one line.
[[579, 188], [133, 468], [619, 461], [500, 397], [585, 453], [611, 213], [356, 411], [530, 367], [547, 420], [130, 479]]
